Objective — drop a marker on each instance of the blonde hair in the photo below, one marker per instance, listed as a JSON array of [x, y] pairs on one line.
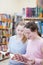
[[24, 37], [20, 23]]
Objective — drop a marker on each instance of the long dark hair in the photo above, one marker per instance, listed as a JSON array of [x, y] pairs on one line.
[[33, 26]]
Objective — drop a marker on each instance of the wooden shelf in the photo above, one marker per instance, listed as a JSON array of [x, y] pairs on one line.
[[6, 20], [3, 44], [1, 27], [33, 18], [7, 35], [4, 59], [4, 28]]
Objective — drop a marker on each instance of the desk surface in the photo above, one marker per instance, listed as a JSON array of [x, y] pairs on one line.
[[4, 62]]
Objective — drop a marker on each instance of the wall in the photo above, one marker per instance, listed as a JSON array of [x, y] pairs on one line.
[[11, 6], [8, 6], [26, 3]]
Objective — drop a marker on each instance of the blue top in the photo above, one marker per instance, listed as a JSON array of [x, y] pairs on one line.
[[16, 46]]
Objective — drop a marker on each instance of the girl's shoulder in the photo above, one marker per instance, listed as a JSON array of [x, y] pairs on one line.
[[28, 42], [13, 37], [41, 39]]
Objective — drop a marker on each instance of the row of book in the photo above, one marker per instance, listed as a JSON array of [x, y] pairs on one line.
[[3, 48], [32, 12], [6, 24], [5, 32], [5, 16], [4, 40]]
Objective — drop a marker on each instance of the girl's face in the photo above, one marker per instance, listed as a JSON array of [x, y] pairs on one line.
[[19, 30], [29, 34]]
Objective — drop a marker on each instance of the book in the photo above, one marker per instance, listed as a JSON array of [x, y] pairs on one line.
[[0, 47], [0, 32], [21, 59], [4, 48], [0, 23], [31, 12], [0, 40], [42, 28]]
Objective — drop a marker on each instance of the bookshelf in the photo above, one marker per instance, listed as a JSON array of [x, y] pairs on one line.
[[34, 14], [5, 33], [16, 18]]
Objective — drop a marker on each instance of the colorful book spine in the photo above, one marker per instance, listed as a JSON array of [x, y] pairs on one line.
[[42, 27], [31, 12]]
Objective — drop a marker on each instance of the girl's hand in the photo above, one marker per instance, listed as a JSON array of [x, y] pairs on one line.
[[30, 62], [23, 59], [16, 57], [20, 58]]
